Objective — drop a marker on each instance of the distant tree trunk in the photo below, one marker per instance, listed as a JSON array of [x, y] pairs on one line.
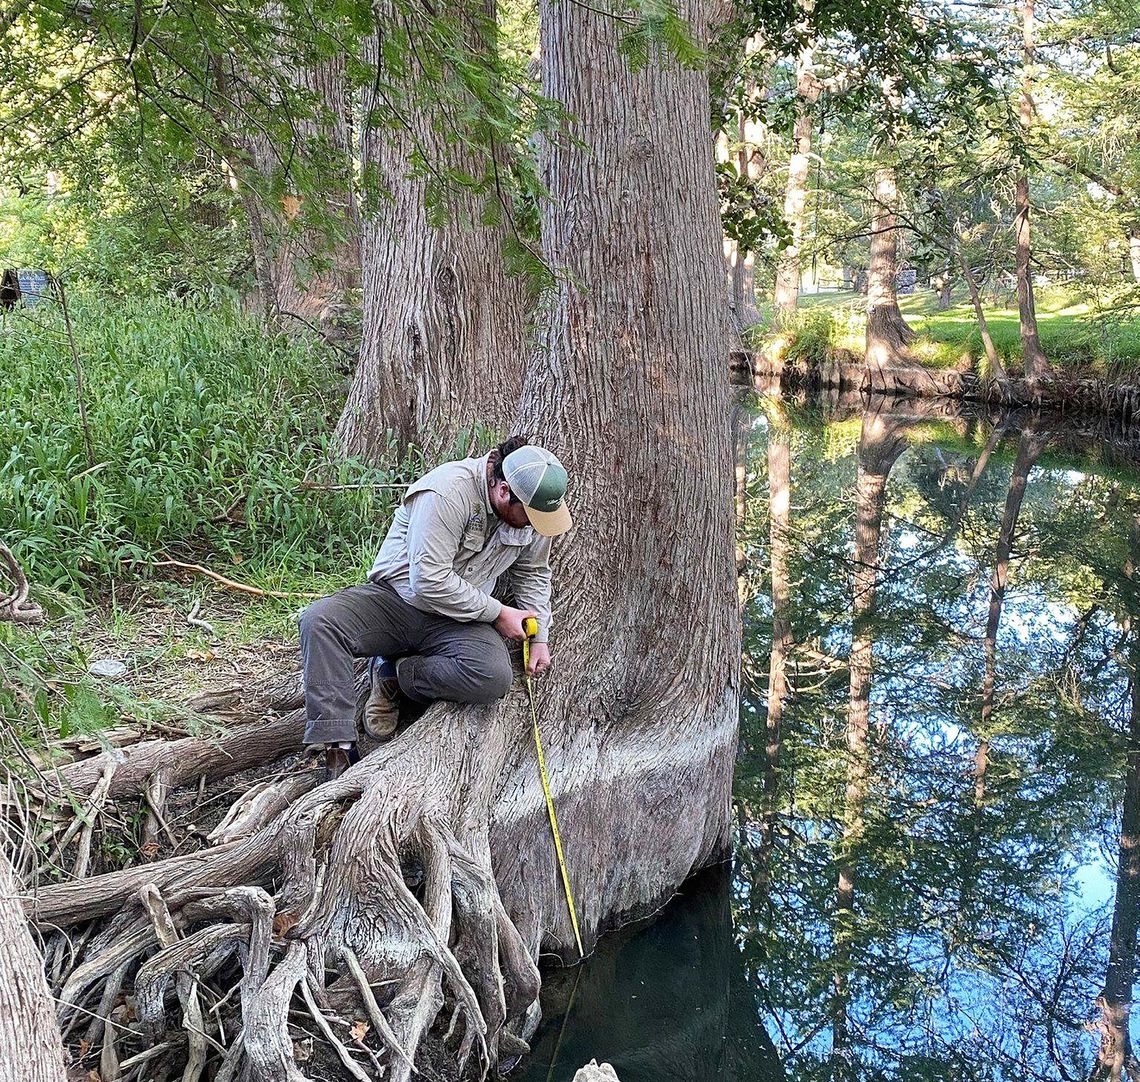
[[750, 164], [1036, 366], [444, 337], [945, 288], [880, 444], [305, 246], [779, 525], [996, 368], [1028, 448], [1115, 1058], [887, 332], [795, 193], [30, 1045], [1134, 253]]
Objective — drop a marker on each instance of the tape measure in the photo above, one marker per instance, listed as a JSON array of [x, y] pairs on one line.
[[530, 628]]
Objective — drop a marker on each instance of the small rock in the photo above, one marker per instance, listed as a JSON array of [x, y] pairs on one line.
[[110, 667], [593, 1073]]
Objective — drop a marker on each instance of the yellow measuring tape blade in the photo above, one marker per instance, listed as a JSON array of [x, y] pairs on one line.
[[550, 801]]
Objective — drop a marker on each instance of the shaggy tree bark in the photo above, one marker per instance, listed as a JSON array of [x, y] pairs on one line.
[[881, 442], [30, 1045], [795, 192], [887, 332], [425, 875], [1036, 366], [444, 339]]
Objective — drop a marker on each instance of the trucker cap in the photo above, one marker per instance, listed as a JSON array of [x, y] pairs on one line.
[[537, 478]]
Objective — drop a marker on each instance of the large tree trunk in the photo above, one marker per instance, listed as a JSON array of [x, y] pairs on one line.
[[795, 192], [887, 332], [444, 338], [1033, 357], [880, 444], [30, 1045], [638, 716]]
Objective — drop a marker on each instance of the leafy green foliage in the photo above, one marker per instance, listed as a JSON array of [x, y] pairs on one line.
[[210, 439]]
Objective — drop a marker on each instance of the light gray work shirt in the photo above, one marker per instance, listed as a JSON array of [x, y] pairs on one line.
[[447, 549]]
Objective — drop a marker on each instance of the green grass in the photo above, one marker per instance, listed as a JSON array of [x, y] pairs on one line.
[[1076, 338], [207, 436]]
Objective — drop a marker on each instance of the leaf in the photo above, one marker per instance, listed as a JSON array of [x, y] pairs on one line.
[[283, 923], [358, 1030]]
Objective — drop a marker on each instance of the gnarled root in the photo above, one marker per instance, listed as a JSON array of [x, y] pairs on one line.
[[376, 880]]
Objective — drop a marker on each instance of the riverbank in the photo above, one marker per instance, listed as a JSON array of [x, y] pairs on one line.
[[843, 370], [1094, 351]]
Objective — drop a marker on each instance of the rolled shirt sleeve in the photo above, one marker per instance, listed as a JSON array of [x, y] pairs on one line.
[[435, 528], [530, 582]]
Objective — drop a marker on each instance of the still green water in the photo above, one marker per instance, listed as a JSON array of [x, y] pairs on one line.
[[979, 823]]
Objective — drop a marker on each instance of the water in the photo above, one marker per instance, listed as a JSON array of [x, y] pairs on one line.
[[978, 827]]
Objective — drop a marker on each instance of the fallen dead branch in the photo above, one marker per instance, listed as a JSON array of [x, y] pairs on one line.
[[232, 584]]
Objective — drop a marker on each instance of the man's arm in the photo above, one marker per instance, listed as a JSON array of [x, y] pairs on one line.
[[435, 529], [530, 583]]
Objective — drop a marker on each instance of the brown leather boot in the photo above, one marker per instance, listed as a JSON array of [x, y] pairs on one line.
[[338, 760]]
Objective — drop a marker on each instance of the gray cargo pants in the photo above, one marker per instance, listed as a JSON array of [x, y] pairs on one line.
[[443, 658]]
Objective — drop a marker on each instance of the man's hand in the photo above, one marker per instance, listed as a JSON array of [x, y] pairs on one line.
[[509, 623], [539, 658]]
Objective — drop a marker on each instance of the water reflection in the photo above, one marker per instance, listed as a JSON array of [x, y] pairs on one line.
[[937, 870]]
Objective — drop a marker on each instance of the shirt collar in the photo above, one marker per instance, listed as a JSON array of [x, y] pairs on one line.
[[483, 488]]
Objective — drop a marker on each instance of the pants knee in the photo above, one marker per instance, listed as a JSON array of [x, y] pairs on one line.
[[314, 620], [493, 679], [501, 677]]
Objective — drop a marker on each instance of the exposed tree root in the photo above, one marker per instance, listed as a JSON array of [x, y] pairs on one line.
[[351, 920], [366, 875]]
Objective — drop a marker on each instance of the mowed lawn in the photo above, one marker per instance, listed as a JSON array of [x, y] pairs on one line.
[[1075, 336]]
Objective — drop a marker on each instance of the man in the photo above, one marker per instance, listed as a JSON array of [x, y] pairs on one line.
[[426, 615]]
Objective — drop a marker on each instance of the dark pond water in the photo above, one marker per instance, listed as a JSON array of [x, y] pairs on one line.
[[940, 878]]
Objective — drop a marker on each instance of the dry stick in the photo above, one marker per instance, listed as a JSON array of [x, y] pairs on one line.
[[350, 1064], [379, 1022], [155, 795], [230, 583], [95, 807], [187, 986], [78, 374]]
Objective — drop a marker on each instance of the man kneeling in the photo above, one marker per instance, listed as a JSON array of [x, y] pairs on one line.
[[426, 616]]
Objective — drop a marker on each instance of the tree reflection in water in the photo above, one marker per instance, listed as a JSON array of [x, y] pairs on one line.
[[949, 885]]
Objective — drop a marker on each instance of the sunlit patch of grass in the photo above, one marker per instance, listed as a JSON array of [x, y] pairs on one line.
[[1075, 336]]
